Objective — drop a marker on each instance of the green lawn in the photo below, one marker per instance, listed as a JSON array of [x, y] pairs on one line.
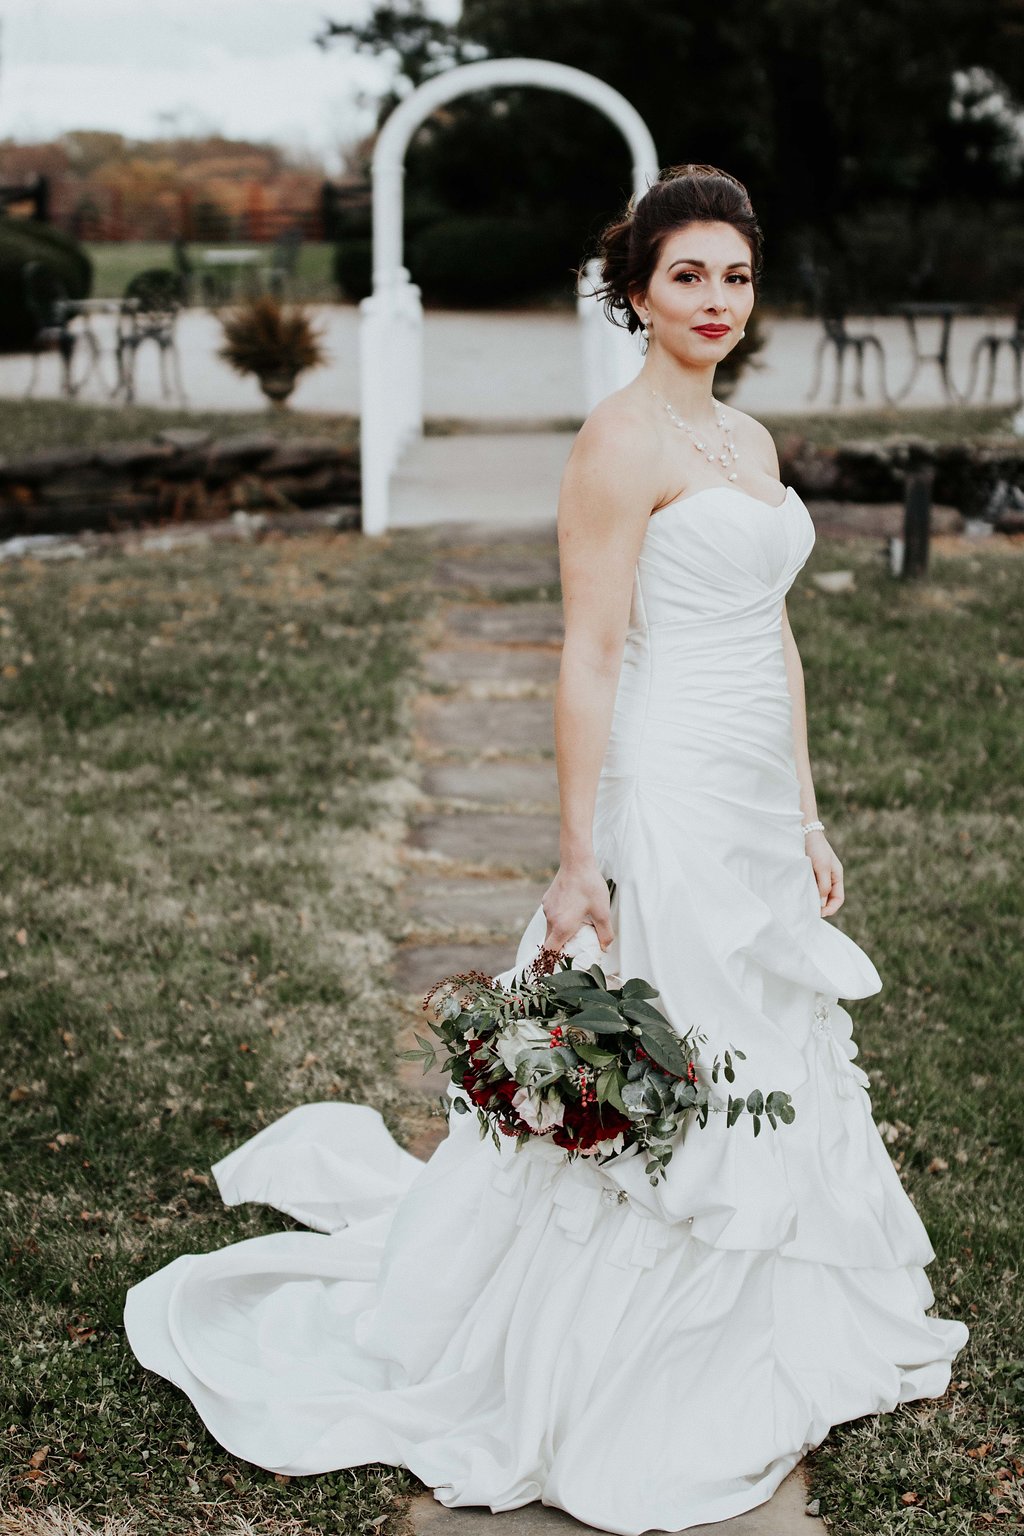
[[196, 869], [202, 767], [916, 696], [116, 263], [30, 426]]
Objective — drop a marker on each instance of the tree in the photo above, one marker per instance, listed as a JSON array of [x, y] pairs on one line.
[[820, 107]]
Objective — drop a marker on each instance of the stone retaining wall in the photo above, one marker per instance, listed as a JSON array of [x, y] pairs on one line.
[[983, 480], [178, 476]]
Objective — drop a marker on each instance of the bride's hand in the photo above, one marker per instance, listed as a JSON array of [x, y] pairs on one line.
[[828, 872], [578, 894]]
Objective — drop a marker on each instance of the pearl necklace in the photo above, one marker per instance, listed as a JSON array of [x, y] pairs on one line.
[[728, 443]]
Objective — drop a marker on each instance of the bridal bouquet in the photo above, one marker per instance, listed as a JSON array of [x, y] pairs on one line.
[[595, 1068]]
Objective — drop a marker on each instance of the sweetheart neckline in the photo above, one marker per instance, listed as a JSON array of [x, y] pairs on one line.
[[773, 506]]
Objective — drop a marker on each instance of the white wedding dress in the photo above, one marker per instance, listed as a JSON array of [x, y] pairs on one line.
[[500, 1322]]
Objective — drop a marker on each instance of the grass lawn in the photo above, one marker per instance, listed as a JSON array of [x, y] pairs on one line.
[[116, 263], [204, 765], [915, 702], [27, 426], [202, 774], [30, 426], [829, 429]]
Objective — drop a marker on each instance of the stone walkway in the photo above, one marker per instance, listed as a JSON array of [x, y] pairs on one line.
[[482, 848], [484, 843]]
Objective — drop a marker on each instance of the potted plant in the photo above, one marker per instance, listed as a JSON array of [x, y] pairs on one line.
[[274, 341]]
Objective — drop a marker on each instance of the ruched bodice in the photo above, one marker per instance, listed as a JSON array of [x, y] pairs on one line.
[[492, 1318], [703, 683]]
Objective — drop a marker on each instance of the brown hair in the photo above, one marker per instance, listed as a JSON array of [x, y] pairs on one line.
[[629, 247]]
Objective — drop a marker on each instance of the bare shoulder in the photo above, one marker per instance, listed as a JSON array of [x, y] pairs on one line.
[[615, 458], [754, 436], [616, 425]]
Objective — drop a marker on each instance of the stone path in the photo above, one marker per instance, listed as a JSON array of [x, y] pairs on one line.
[[483, 845], [482, 848]]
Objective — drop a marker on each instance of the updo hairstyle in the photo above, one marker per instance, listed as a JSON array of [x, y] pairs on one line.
[[630, 246]]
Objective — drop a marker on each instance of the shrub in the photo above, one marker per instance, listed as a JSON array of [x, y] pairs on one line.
[[25, 240], [352, 266], [488, 261]]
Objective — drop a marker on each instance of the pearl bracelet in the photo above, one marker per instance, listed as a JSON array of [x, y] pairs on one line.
[[812, 826]]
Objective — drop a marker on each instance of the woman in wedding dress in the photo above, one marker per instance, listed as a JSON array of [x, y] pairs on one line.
[[513, 1327]]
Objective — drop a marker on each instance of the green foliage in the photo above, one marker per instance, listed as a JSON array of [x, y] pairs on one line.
[[352, 266], [490, 260], [575, 1017], [785, 96], [23, 241]]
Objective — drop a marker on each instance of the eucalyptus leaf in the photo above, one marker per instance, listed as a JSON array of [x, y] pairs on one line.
[[664, 1045], [600, 997], [642, 1012], [638, 988], [600, 1022], [614, 1093], [569, 982], [594, 1055]]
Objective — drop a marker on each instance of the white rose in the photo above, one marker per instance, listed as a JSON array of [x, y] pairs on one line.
[[540, 1113], [608, 1148], [524, 1036]]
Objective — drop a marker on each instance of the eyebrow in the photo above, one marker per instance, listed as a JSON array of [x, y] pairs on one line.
[[692, 262]]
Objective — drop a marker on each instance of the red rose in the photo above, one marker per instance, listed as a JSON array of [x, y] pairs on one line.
[[584, 1126]]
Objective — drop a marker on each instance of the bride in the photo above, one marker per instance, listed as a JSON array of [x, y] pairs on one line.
[[512, 1327]]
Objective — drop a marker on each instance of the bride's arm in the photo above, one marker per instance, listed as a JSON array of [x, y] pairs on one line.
[[607, 491], [828, 871], [795, 678]]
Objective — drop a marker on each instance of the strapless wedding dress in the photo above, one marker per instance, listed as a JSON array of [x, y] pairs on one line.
[[501, 1322]]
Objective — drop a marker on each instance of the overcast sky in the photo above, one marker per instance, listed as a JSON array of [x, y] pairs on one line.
[[146, 67]]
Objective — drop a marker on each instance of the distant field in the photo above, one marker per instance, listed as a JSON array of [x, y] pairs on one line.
[[117, 263]]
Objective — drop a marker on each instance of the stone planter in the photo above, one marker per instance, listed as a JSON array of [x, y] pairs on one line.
[[278, 384]]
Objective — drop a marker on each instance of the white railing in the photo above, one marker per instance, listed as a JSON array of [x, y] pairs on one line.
[[390, 387], [611, 356]]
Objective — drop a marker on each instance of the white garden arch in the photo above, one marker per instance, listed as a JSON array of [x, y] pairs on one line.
[[391, 318]]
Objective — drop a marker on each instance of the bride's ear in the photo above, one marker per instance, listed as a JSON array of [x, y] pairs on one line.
[[638, 298]]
